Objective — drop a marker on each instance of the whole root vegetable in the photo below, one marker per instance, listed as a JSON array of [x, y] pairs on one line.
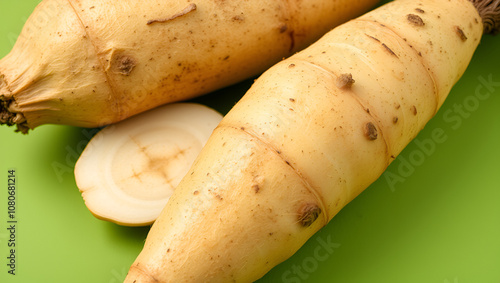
[[90, 63], [309, 136]]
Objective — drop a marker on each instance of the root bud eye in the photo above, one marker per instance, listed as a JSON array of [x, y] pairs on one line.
[[415, 20], [124, 65], [308, 213], [345, 81], [460, 33], [371, 131]]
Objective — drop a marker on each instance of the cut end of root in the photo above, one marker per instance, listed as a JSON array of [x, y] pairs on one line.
[[489, 10], [128, 171], [10, 118], [7, 115]]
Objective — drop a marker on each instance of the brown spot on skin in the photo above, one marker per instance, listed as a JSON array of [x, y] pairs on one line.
[[419, 10], [292, 100], [371, 131], [238, 18], [460, 33], [308, 213], [196, 193], [345, 81], [414, 110], [124, 65], [374, 38], [389, 50], [291, 65], [415, 20], [256, 188], [283, 28], [395, 120], [191, 7]]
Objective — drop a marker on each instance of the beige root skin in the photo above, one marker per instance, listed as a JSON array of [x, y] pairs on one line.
[[310, 137], [220, 228], [91, 63]]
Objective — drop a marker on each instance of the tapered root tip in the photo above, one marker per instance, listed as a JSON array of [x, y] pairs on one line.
[[489, 10]]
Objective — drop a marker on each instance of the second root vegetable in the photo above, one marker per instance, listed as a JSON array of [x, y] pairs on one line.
[[90, 63], [310, 135]]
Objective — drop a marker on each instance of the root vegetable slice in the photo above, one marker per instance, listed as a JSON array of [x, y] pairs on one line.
[[128, 171]]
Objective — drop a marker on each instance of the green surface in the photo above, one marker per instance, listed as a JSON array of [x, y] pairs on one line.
[[434, 216]]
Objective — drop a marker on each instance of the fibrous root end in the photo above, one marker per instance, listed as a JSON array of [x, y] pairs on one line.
[[489, 10], [10, 118], [8, 115]]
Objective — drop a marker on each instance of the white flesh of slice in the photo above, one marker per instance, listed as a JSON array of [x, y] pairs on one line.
[[129, 170]]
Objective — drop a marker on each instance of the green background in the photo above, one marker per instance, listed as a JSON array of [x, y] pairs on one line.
[[434, 216]]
